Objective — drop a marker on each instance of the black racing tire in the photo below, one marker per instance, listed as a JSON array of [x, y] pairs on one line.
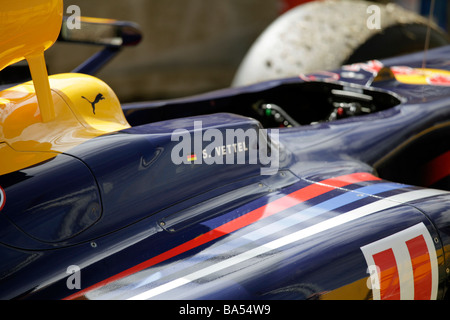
[[324, 35], [397, 40]]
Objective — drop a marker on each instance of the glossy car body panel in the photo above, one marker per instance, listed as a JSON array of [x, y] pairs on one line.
[[99, 209]]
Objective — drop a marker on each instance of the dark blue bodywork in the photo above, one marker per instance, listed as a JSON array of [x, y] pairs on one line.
[[138, 226]]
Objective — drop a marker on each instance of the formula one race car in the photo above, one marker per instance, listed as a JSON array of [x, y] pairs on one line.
[[331, 185]]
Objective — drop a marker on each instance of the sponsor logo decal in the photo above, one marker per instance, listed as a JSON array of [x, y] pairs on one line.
[[404, 74], [373, 66], [97, 99], [422, 76], [2, 198], [403, 266], [320, 76]]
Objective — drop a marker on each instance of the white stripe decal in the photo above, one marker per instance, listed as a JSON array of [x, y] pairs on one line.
[[291, 238], [273, 228]]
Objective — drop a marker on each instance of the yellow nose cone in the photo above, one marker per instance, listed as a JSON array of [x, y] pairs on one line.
[[27, 28]]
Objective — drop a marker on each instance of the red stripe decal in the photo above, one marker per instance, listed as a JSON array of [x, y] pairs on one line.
[[421, 264], [267, 210], [436, 170], [389, 279]]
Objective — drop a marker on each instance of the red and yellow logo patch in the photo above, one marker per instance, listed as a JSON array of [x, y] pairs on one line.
[[407, 75], [421, 76]]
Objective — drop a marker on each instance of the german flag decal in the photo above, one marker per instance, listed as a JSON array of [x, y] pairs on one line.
[[192, 157]]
